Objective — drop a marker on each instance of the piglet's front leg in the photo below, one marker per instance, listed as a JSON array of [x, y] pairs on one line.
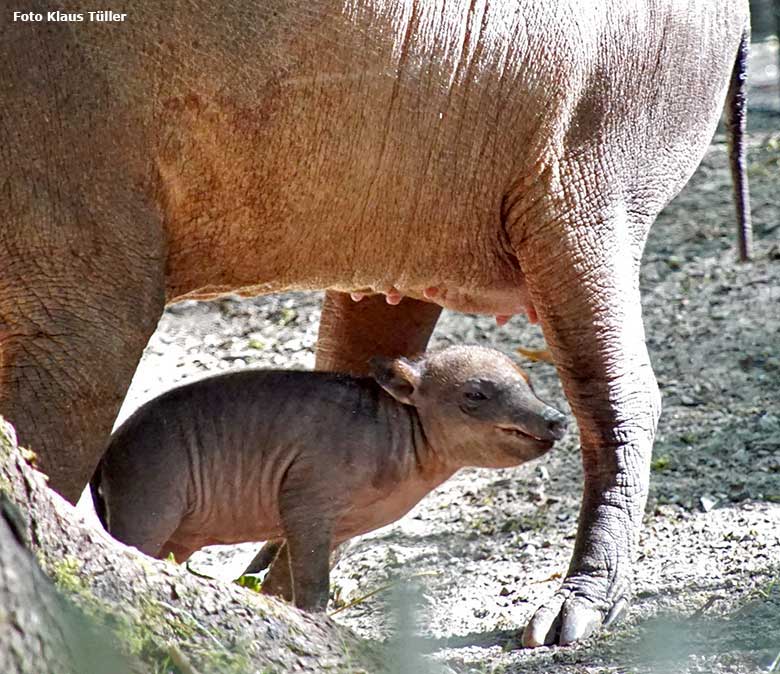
[[308, 531], [309, 550], [274, 554]]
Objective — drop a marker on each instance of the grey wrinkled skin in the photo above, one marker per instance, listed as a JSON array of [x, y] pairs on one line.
[[313, 458], [511, 154]]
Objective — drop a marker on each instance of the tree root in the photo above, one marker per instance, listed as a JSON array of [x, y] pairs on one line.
[[135, 612]]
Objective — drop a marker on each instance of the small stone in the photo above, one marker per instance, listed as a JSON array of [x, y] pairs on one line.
[[707, 503]]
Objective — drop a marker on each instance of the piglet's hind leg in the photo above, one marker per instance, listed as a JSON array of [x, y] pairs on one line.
[[147, 530], [277, 581], [180, 553]]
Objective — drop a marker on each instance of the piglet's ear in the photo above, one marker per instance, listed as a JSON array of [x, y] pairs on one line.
[[399, 377]]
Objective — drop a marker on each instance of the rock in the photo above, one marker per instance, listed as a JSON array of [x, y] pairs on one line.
[[707, 503]]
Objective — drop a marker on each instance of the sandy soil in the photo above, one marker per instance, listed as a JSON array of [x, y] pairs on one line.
[[468, 566]]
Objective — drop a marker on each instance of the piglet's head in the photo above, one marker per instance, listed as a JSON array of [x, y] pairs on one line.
[[476, 406]]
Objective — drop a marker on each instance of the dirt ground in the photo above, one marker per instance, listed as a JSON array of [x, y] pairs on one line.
[[469, 565]]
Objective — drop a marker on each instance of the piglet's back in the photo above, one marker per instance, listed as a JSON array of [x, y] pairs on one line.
[[222, 445], [227, 412]]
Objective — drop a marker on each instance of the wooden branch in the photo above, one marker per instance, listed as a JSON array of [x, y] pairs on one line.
[[154, 611]]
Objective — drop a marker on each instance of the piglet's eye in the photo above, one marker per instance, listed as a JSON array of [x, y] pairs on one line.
[[474, 396]]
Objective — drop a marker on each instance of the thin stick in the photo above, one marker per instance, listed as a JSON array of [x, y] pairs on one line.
[[381, 588], [180, 660], [198, 573], [535, 355]]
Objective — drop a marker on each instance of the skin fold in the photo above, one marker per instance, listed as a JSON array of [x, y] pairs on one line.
[[510, 155], [314, 458]]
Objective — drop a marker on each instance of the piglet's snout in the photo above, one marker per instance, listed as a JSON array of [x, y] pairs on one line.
[[555, 422], [543, 422]]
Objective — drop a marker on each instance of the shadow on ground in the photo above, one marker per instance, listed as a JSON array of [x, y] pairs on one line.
[[744, 638]]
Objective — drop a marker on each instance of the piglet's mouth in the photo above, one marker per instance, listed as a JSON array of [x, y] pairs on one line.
[[521, 433]]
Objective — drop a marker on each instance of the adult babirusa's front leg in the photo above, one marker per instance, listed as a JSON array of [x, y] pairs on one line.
[[583, 279]]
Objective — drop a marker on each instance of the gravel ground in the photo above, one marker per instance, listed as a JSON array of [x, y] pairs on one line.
[[467, 567]]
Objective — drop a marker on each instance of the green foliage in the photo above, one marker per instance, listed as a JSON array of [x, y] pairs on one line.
[[66, 576], [660, 463], [287, 316], [250, 582]]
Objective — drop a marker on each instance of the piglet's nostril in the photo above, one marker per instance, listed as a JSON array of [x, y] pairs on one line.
[[556, 422]]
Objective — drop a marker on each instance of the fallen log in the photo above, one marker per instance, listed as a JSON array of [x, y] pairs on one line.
[[95, 601]]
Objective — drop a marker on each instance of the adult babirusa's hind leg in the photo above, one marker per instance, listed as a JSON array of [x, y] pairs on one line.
[[82, 252], [351, 333], [76, 312], [583, 278]]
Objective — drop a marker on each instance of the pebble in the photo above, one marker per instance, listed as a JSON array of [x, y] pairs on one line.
[[707, 503]]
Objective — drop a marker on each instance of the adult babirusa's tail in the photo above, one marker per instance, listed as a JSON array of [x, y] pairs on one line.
[[736, 118]]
